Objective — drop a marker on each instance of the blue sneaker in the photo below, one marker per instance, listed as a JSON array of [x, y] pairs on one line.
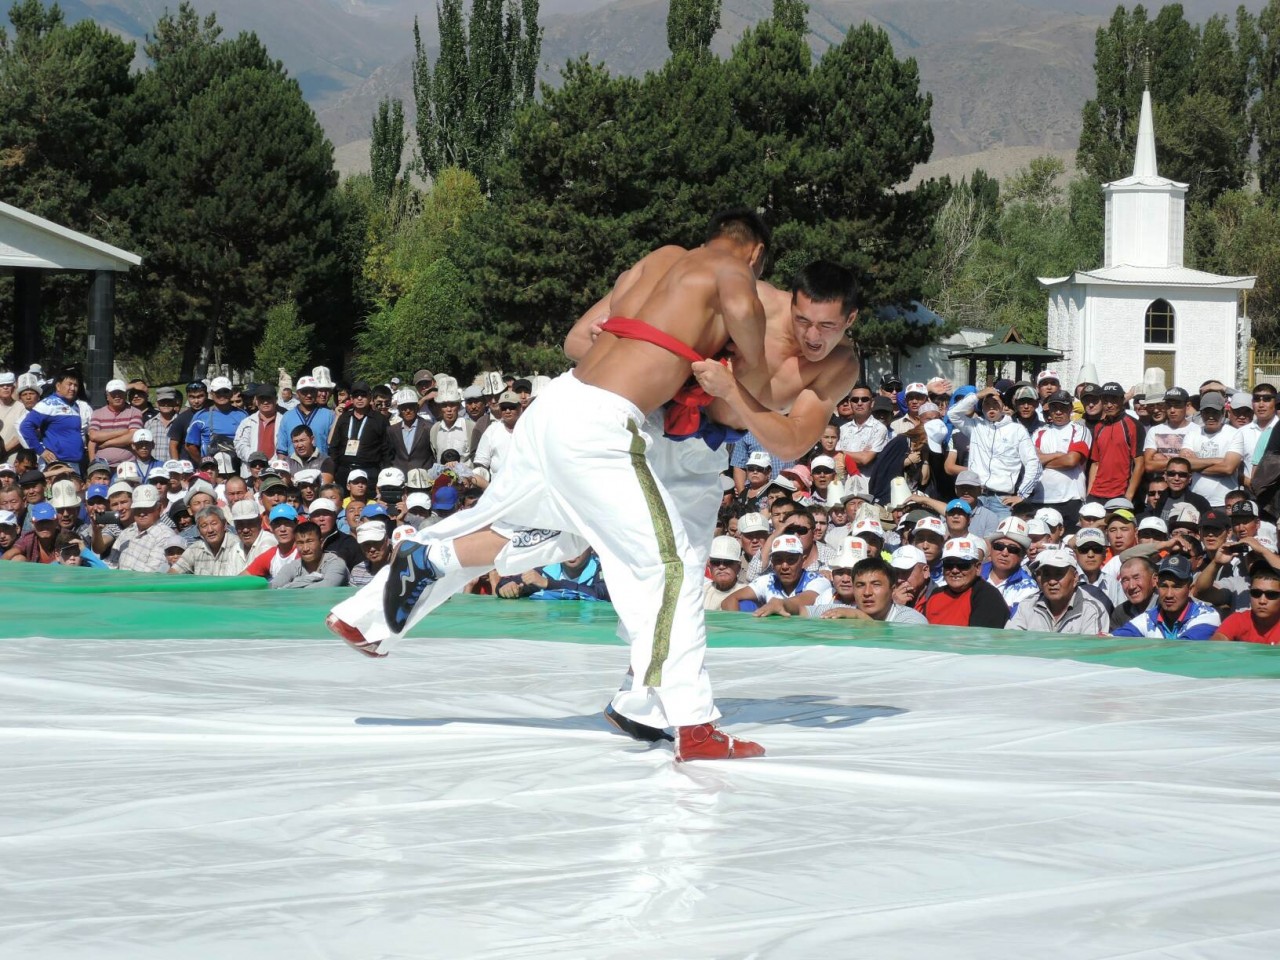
[[412, 572]]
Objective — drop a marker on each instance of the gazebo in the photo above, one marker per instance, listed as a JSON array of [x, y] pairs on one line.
[[31, 246], [1004, 347]]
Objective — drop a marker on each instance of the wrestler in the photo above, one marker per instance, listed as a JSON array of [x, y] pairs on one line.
[[590, 478]]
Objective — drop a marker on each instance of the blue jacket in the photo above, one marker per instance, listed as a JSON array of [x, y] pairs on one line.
[[321, 422], [212, 422], [1199, 621], [587, 585], [53, 424]]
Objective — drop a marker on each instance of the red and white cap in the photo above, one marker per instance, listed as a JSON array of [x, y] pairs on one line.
[[788, 543], [934, 525], [960, 548]]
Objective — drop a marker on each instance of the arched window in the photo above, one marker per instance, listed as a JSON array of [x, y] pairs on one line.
[[1159, 325]]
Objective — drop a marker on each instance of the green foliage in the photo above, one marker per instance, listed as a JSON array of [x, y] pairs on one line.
[[1240, 235], [423, 327], [483, 75], [286, 343], [690, 26], [386, 147]]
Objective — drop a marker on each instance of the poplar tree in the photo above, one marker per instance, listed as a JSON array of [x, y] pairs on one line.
[[386, 147], [690, 26]]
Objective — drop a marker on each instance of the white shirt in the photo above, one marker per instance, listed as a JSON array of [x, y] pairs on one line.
[[1168, 440], [855, 438], [493, 445], [1057, 484], [1215, 488]]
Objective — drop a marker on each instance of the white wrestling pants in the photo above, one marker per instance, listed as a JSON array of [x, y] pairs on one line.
[[588, 477]]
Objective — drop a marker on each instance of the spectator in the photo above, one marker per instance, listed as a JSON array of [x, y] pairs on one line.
[[488, 458], [928, 536], [1026, 409], [914, 397], [1214, 452], [864, 591], [55, 427], [10, 530], [214, 554], [1004, 571], [725, 564], [743, 451], [256, 438], [168, 400], [1231, 549], [65, 500], [1175, 616], [1047, 384], [755, 479], [118, 517], [112, 426], [1060, 606], [309, 413], [418, 511], [964, 600], [40, 545], [1115, 457], [1000, 454], [142, 457], [197, 400], [957, 518], [283, 520], [912, 582], [451, 431], [1257, 433], [360, 438], [1138, 581], [753, 532], [788, 588], [324, 514], [477, 411], [1170, 438], [213, 430], [249, 530], [425, 383], [1261, 622], [374, 540], [1090, 547], [1062, 446], [578, 579], [313, 567], [11, 414], [823, 471], [410, 438], [143, 544], [305, 456]]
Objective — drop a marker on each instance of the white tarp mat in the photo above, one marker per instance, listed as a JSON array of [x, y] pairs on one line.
[[193, 799]]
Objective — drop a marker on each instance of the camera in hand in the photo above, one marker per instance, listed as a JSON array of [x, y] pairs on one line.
[[1238, 549], [107, 516], [391, 495]]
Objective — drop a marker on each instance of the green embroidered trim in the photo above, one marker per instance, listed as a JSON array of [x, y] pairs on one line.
[[674, 575]]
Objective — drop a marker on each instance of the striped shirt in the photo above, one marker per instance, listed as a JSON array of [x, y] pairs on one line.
[[229, 561], [143, 550]]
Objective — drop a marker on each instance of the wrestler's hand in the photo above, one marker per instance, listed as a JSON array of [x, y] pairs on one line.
[[715, 378], [595, 327]]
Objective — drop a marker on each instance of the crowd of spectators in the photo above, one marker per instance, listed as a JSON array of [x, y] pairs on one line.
[[1017, 505]]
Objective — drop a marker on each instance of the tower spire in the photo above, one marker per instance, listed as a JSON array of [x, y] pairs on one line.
[[1144, 156]]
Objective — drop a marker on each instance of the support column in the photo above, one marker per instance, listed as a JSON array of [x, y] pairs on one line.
[[101, 353], [28, 348]]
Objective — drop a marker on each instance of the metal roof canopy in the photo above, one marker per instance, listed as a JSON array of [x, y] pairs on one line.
[[1008, 345], [31, 245]]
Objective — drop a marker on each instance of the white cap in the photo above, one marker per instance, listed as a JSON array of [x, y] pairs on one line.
[[357, 474], [307, 476], [145, 497], [115, 386], [1015, 529], [321, 504], [1048, 375], [822, 463], [1093, 511], [200, 486], [1051, 517], [1037, 528], [726, 484], [323, 380], [1089, 535], [1148, 523], [186, 466], [371, 531], [1184, 513], [223, 460], [907, 557], [219, 383], [853, 551], [419, 479], [280, 465], [1057, 557], [305, 383], [143, 436], [391, 477], [64, 494], [401, 533], [6, 378], [119, 487], [473, 392], [934, 525], [245, 510], [916, 388], [960, 548], [127, 471], [980, 544], [8, 518], [453, 395], [726, 548], [158, 473], [758, 458], [752, 523], [788, 543], [866, 526], [784, 483], [408, 397], [418, 501], [935, 435]]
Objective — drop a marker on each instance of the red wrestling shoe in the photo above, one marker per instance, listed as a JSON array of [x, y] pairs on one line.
[[706, 741], [353, 637]]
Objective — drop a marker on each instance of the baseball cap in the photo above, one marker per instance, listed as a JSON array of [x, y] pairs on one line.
[[257, 457], [968, 478], [119, 487], [243, 510], [1241, 401], [30, 477], [473, 393], [7, 377], [1176, 566], [1112, 389], [752, 523], [406, 397], [418, 501], [852, 552], [8, 468], [322, 505], [1015, 529], [907, 557], [1051, 517], [1118, 503], [726, 548], [1090, 535], [1176, 395], [166, 393], [1212, 401], [219, 383], [360, 386], [281, 465], [115, 386], [357, 474], [882, 405], [283, 511], [1093, 510], [960, 548], [1154, 523], [1184, 513], [391, 477], [1245, 508], [64, 494], [1216, 518], [143, 436], [758, 458], [1024, 393], [304, 384], [1059, 398], [97, 491], [509, 397], [197, 385], [1037, 528], [8, 518], [373, 510], [958, 504], [422, 375], [374, 532], [271, 483], [199, 486], [44, 511], [933, 525], [890, 381], [916, 388], [1048, 375], [822, 463], [867, 527], [1123, 515], [935, 434], [446, 498], [147, 496], [1055, 558], [309, 477], [787, 543]]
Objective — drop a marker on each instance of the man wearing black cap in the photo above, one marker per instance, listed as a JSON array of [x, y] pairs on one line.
[[1115, 460], [1175, 615], [1063, 447], [890, 387], [1214, 452], [360, 437]]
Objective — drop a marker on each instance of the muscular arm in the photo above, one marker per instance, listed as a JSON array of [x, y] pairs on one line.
[[587, 327]]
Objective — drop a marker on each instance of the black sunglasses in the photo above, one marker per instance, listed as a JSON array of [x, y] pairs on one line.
[[717, 562], [939, 397], [797, 529], [508, 406], [1258, 594], [859, 399], [1091, 548], [954, 564], [1169, 474], [1264, 397]]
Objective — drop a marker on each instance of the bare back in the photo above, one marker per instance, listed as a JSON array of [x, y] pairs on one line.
[[684, 294]]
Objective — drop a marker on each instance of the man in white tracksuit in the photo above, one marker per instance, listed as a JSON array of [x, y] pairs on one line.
[[1000, 453]]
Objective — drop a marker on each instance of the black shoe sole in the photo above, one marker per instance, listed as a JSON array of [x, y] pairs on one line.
[[392, 593], [635, 730]]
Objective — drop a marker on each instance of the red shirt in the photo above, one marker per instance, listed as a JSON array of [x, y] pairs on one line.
[[945, 607], [1115, 445], [1241, 626]]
